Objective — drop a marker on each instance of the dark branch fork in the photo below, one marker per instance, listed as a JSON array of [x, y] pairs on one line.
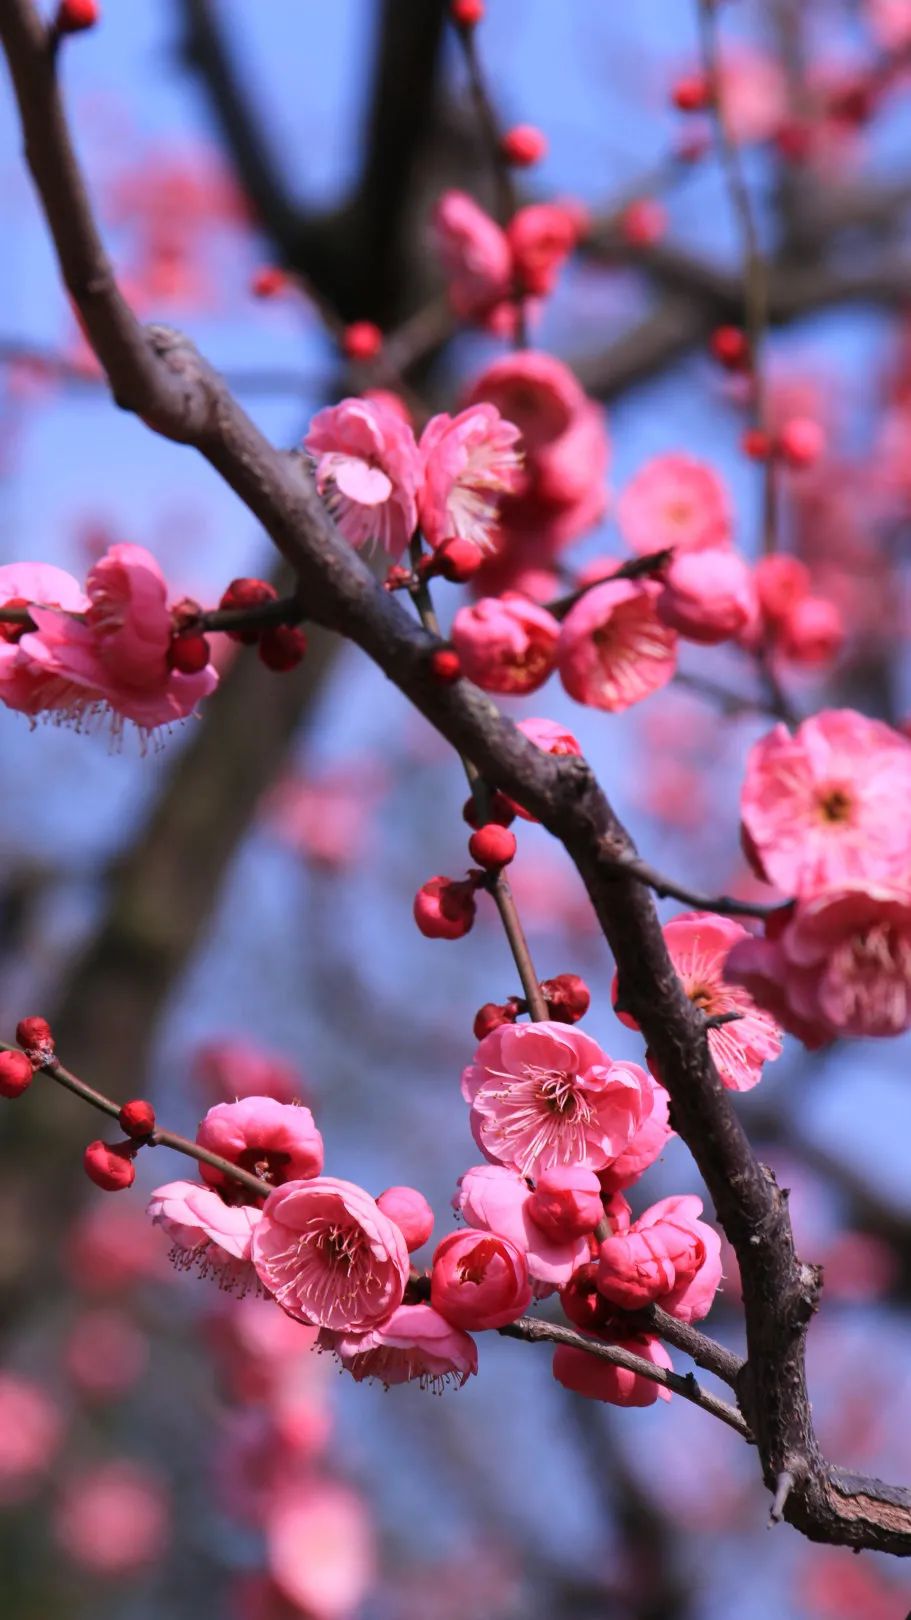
[[159, 375]]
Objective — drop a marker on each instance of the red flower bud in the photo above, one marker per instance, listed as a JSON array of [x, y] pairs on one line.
[[362, 340], [585, 1307], [268, 281], [492, 1015], [444, 908], [137, 1118], [282, 647], [692, 145], [643, 222], [188, 654], [523, 145], [492, 846], [794, 141], [568, 997], [801, 442], [110, 1165], [467, 13], [35, 1037], [730, 347], [499, 809], [15, 1074], [457, 561], [247, 593], [445, 666], [75, 15], [692, 94], [756, 444]]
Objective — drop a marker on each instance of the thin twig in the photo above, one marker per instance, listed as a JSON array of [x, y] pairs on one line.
[[157, 1138], [706, 1353], [724, 904], [755, 272], [505, 193], [496, 883], [634, 568], [534, 1331]]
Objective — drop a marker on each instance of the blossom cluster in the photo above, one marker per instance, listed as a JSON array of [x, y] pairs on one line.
[[563, 1129], [823, 819]]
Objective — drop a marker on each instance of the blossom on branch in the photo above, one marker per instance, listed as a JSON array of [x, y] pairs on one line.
[[329, 1254], [545, 1095]]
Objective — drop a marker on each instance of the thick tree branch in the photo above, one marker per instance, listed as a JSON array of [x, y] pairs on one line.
[[160, 376], [353, 256]]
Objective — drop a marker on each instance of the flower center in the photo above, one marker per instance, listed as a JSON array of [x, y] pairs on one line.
[[702, 997], [265, 1163], [472, 1267], [836, 805], [338, 1247], [559, 1095]]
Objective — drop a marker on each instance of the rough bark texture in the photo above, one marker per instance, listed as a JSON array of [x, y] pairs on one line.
[[157, 374]]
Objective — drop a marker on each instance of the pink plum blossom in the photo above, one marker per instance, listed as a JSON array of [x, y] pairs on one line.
[[646, 1146], [367, 470], [329, 1254], [492, 1198], [667, 1257], [411, 1213], [31, 1429], [105, 1353], [613, 649], [414, 1342], [479, 1280], [891, 22], [233, 1068], [114, 1519], [675, 500], [754, 95], [838, 963], [276, 1141], [541, 238], [820, 809], [566, 1202], [206, 1233], [476, 257], [781, 581], [813, 633], [551, 736], [469, 462], [537, 392], [129, 618], [600, 1380], [106, 1258], [319, 1548], [709, 596], [118, 654], [506, 643], [24, 685], [326, 815], [699, 943], [544, 1095], [566, 451]]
